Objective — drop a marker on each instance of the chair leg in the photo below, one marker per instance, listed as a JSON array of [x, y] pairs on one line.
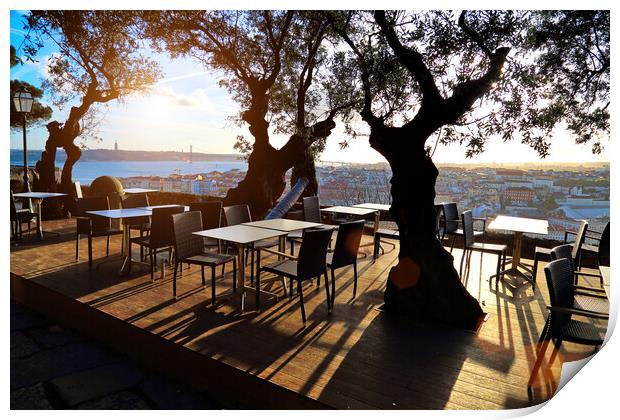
[[90, 251], [257, 298], [301, 301], [153, 259], [107, 246], [202, 275], [461, 265], [212, 284], [354, 279], [174, 279], [452, 244], [333, 286], [329, 300], [252, 268], [234, 275], [375, 250], [535, 267], [77, 246]]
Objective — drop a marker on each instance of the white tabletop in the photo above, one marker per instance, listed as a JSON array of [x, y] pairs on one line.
[[520, 224], [138, 190], [38, 195], [357, 211], [284, 225], [121, 213], [240, 234], [162, 206], [374, 206]]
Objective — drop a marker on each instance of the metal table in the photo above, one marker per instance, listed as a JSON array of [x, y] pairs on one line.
[[37, 198], [358, 211], [125, 215], [161, 206], [519, 226], [243, 236]]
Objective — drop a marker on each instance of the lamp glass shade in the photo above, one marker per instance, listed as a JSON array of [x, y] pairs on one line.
[[23, 101]]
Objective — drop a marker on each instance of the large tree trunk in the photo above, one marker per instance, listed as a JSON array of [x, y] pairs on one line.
[[66, 178], [305, 168], [46, 170], [424, 284]]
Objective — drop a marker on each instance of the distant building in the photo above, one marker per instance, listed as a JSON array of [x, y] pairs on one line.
[[519, 196], [116, 145]]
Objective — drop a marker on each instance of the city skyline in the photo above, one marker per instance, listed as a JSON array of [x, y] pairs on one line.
[[188, 107]]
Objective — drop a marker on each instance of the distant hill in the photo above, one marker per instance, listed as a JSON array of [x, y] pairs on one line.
[[107, 155]]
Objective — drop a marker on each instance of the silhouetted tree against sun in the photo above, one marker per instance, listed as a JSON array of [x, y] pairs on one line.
[[267, 59], [98, 60], [467, 77]]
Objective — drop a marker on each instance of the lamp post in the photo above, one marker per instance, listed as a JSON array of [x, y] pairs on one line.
[[23, 101]]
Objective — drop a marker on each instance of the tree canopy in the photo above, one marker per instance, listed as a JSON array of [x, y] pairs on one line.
[[40, 113]]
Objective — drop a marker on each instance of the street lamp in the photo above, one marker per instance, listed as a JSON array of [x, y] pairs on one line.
[[23, 101]]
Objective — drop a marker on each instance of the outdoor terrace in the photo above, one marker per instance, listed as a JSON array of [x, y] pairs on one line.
[[357, 357]]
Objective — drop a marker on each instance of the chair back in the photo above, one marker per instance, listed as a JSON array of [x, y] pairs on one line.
[[311, 260], [604, 247], [162, 234], [347, 243], [579, 239], [210, 211], [235, 215], [101, 202], [13, 208], [438, 213], [78, 189], [563, 251], [131, 201], [451, 217], [559, 275], [468, 228], [185, 243], [312, 209]]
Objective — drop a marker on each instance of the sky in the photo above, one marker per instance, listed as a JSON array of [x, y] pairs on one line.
[[187, 107]]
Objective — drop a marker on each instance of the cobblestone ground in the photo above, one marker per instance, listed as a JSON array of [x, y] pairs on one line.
[[53, 367]]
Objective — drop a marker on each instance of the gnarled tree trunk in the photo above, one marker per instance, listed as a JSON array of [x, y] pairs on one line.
[[305, 168], [424, 284]]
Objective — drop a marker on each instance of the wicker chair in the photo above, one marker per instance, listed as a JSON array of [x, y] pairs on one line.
[[312, 213], [141, 224], [470, 245], [161, 237], [345, 252], [602, 247], [545, 253], [18, 217], [93, 226], [189, 248], [586, 298], [451, 224], [310, 263], [211, 214], [559, 325]]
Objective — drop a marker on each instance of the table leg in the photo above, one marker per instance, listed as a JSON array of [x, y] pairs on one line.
[[37, 209], [516, 250], [126, 249], [241, 274]]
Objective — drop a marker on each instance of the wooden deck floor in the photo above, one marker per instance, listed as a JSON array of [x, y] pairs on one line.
[[358, 357]]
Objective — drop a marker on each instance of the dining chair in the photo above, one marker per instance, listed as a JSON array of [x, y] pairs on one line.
[[161, 236], [93, 226], [312, 213], [189, 248], [309, 263], [541, 253], [469, 245], [560, 325], [601, 247], [451, 224], [586, 298], [345, 252], [141, 224], [211, 214], [19, 217]]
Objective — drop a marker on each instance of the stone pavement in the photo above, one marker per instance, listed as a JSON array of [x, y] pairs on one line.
[[53, 367]]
